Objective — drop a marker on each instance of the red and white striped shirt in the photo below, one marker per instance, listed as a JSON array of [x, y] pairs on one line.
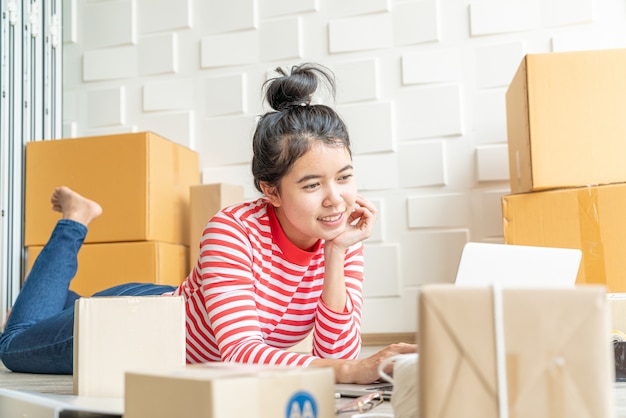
[[253, 294]]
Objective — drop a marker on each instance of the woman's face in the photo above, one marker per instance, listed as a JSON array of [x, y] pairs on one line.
[[316, 196]]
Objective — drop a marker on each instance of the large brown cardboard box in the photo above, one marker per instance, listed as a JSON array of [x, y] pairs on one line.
[[565, 120], [141, 180], [115, 334], [541, 353], [588, 218], [230, 390], [101, 266], [205, 200]]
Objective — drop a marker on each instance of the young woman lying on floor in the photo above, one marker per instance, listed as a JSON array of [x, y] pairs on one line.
[[270, 271]]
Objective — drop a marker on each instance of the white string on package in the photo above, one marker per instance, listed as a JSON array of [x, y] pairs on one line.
[[498, 321], [404, 397]]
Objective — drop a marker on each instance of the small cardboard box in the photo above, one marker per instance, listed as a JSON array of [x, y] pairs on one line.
[[565, 122], [205, 201], [230, 390], [541, 353], [588, 218], [141, 180], [115, 334], [101, 266]]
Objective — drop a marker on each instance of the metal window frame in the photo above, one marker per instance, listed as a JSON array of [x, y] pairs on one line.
[[30, 110]]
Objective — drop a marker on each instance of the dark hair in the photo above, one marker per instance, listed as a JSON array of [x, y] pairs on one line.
[[286, 133]]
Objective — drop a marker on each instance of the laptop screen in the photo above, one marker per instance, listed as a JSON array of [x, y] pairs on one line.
[[517, 265]]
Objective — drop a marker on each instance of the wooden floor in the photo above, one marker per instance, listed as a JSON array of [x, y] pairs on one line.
[[63, 385]]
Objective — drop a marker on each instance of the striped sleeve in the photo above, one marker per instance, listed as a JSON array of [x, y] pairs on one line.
[[338, 334]]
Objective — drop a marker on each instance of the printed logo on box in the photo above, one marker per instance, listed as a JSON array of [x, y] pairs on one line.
[[301, 405]]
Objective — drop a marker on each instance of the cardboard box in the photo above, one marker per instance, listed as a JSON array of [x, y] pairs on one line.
[[588, 218], [229, 390], [30, 404], [141, 180], [101, 266], [115, 334], [564, 120], [541, 353], [205, 201]]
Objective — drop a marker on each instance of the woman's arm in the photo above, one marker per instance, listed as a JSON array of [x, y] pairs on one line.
[[364, 370]]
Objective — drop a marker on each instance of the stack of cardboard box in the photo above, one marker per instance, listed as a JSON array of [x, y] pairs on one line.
[[141, 180], [566, 117]]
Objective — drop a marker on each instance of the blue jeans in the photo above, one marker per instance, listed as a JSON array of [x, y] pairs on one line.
[[39, 335]]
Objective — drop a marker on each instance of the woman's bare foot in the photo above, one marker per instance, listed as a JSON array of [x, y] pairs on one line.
[[74, 206]]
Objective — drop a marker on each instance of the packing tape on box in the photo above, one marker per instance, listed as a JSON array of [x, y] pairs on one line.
[[594, 256]]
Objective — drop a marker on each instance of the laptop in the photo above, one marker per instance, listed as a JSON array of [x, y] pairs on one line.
[[517, 265], [354, 390], [482, 264]]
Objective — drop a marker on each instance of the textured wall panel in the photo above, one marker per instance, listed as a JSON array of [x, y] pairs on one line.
[[391, 314], [232, 174], [495, 16], [105, 107], [273, 8], [587, 40], [215, 16], [281, 39], [341, 8], [357, 80], [378, 233], [416, 22], [490, 116], [496, 64], [231, 49], [445, 136], [226, 141], [370, 127], [382, 277], [158, 54], [431, 256], [492, 162], [70, 129], [70, 106], [438, 211], [432, 66], [176, 126], [168, 95], [70, 28], [108, 24], [566, 12], [163, 15], [376, 172], [428, 111], [108, 64], [490, 211], [225, 95], [422, 163], [357, 34]]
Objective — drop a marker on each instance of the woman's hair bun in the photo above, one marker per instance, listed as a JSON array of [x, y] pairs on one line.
[[296, 87]]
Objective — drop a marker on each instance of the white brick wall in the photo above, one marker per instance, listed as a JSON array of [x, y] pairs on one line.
[[421, 84]]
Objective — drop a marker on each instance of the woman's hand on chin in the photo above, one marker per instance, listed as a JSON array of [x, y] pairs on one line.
[[360, 224]]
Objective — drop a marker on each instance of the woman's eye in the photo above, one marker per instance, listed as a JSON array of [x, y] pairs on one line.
[[346, 177], [310, 186]]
